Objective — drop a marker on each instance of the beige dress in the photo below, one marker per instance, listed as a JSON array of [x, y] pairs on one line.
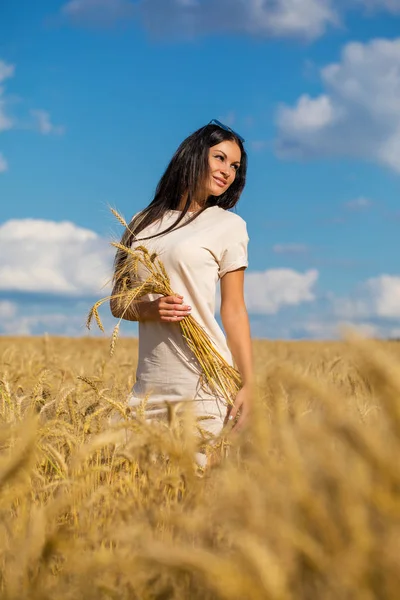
[[195, 257]]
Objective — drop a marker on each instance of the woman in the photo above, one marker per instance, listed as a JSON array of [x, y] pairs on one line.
[[189, 226]]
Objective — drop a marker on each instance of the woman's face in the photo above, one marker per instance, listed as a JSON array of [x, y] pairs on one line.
[[224, 162]]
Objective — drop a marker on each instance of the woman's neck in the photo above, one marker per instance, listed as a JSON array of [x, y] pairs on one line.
[[195, 205]]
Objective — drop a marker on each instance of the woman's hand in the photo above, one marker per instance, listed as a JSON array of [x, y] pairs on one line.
[[168, 309], [240, 409]]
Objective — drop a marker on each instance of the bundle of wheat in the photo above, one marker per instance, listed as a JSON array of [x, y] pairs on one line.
[[219, 377]]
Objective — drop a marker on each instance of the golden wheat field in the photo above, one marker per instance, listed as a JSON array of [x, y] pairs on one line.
[[305, 507]]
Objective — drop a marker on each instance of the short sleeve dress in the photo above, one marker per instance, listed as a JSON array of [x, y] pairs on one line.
[[195, 256]]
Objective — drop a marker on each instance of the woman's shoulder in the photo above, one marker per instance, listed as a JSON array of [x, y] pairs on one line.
[[230, 218]]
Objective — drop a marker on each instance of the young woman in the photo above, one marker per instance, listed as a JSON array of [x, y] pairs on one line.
[[200, 242]]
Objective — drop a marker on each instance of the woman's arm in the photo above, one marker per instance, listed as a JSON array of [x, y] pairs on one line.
[[136, 311], [236, 324]]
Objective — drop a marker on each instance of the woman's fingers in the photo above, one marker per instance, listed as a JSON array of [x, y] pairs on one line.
[[237, 414], [240, 422], [175, 310], [176, 303], [231, 414], [173, 300], [172, 309]]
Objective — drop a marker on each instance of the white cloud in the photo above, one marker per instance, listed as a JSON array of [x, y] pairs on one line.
[[189, 18], [28, 324], [98, 12], [3, 164], [360, 203], [281, 18], [45, 256], [384, 294], [17, 319], [65, 317], [44, 124], [310, 114], [22, 230], [304, 18], [290, 248], [378, 297], [267, 292], [358, 115]]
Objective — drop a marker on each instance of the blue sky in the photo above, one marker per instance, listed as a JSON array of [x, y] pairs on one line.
[[95, 95]]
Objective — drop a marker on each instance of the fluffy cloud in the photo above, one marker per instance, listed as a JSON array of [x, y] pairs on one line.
[[372, 309], [43, 123], [306, 19], [59, 258], [65, 317], [378, 297], [358, 115], [30, 318], [310, 114], [287, 18], [291, 18], [267, 292], [98, 12]]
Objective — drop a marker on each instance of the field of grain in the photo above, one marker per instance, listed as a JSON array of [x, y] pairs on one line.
[[305, 507]]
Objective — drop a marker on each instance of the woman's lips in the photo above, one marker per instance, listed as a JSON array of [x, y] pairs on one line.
[[219, 181]]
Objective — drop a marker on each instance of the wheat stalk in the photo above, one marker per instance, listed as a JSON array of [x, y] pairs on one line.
[[119, 217], [114, 338]]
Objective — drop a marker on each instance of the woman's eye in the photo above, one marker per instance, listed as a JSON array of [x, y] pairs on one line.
[[236, 167], [219, 156]]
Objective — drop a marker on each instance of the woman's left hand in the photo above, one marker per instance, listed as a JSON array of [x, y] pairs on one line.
[[242, 405]]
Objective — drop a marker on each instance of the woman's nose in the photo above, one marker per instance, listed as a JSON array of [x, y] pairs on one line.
[[224, 171]]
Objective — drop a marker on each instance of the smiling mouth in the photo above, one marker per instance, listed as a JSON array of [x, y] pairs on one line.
[[219, 181]]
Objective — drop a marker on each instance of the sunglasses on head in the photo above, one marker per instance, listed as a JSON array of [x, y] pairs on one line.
[[226, 128]]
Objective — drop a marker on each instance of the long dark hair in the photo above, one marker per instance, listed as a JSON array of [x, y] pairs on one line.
[[185, 175]]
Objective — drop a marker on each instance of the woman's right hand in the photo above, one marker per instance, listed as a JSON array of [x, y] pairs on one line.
[[168, 309]]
